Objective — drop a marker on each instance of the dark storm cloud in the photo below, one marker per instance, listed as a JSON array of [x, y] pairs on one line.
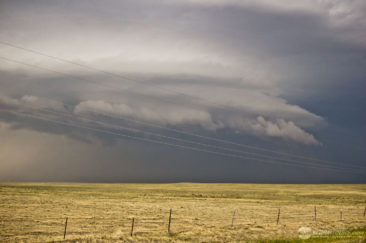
[[283, 75]]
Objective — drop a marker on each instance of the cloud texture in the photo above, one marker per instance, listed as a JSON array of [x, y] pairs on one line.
[[286, 73]]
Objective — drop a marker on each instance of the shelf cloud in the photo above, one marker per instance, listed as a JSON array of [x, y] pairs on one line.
[[285, 75]]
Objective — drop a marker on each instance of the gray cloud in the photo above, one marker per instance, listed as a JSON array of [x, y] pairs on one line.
[[270, 72], [174, 115], [217, 107]]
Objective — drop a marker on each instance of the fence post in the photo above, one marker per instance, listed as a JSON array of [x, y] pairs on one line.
[[278, 216], [364, 212], [232, 220], [65, 228], [341, 214], [133, 223], [170, 220], [315, 214]]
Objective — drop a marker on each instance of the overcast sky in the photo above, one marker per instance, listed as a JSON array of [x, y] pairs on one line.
[[183, 90]]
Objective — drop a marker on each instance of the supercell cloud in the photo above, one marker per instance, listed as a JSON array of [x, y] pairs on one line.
[[285, 76]]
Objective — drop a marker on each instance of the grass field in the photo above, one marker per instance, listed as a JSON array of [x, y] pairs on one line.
[[36, 212]]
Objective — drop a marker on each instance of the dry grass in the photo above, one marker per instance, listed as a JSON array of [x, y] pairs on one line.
[[201, 212]]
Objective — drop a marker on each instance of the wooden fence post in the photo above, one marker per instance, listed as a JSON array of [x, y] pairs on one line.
[[170, 220], [315, 214], [232, 220], [364, 212], [278, 216], [133, 224], [341, 214], [65, 228]]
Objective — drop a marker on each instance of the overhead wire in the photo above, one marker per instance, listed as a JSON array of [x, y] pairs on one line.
[[179, 139], [155, 125], [165, 143], [261, 156]]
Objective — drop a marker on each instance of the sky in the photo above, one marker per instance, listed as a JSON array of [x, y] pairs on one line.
[[254, 91]]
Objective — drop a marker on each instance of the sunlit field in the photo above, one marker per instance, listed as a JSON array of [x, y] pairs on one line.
[[36, 212]]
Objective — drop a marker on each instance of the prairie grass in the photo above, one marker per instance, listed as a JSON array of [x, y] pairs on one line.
[[36, 212]]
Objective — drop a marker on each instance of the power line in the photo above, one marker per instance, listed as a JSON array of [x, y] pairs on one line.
[[52, 70], [176, 130], [202, 144], [107, 72], [163, 143], [170, 90], [183, 132], [300, 163]]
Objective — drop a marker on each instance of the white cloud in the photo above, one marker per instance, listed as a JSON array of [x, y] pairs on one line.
[[179, 115], [247, 101], [277, 128], [165, 114]]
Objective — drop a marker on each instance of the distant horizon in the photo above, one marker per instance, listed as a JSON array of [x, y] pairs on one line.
[[176, 182]]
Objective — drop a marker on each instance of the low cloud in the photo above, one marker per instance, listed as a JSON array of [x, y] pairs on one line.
[[277, 128], [166, 114], [239, 107], [175, 115]]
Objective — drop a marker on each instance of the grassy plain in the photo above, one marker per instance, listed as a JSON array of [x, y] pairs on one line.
[[36, 212]]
